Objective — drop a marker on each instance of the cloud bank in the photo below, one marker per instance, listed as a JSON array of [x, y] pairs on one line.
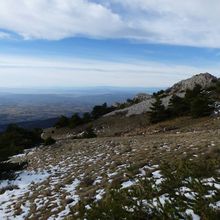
[[188, 22], [46, 72]]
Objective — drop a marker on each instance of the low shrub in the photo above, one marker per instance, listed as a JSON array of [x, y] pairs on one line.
[[8, 169], [168, 200], [15, 139], [49, 141], [87, 181], [8, 188], [89, 133], [62, 122]]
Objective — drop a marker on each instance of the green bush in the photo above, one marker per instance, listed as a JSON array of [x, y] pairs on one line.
[[62, 122], [15, 139], [75, 120], [49, 141], [86, 117], [159, 93], [100, 110], [217, 87], [8, 169], [8, 188], [89, 133]]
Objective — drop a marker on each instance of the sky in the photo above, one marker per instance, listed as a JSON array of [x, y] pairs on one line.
[[129, 43]]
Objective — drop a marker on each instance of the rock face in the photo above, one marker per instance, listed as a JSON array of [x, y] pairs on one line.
[[217, 108], [142, 107], [203, 79]]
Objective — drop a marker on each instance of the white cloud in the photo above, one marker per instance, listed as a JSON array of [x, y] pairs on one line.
[[4, 35], [32, 71], [57, 19], [188, 22]]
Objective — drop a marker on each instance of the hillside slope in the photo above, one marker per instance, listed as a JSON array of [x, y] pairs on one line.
[[61, 175]]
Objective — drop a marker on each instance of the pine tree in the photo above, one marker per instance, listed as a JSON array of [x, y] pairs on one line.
[[201, 106], [199, 102], [75, 121], [177, 106], [158, 111], [86, 117], [62, 122]]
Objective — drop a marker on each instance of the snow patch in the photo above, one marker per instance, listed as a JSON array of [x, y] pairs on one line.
[[191, 213], [99, 194], [127, 184], [24, 181]]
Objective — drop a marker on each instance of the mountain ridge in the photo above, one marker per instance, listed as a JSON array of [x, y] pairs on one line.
[[205, 80]]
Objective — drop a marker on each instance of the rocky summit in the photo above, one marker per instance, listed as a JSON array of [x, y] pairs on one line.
[[205, 80]]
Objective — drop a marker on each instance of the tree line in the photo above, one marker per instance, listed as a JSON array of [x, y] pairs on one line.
[[196, 103], [76, 119]]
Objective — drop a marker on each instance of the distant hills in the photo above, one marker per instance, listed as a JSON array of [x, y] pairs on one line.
[[46, 123], [40, 107]]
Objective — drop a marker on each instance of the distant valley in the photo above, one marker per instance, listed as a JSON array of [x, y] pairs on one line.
[[41, 107]]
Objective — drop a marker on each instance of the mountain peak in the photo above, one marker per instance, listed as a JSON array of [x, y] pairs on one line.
[[203, 79]]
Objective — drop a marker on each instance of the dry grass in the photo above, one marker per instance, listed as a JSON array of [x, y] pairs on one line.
[[114, 160]]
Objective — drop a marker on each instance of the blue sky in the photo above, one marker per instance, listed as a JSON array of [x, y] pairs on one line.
[[60, 43]]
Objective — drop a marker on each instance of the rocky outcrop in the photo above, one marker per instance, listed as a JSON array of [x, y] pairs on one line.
[[205, 80], [217, 108], [142, 97], [142, 107]]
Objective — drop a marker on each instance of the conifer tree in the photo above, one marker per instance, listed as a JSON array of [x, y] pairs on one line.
[[177, 106], [158, 111]]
